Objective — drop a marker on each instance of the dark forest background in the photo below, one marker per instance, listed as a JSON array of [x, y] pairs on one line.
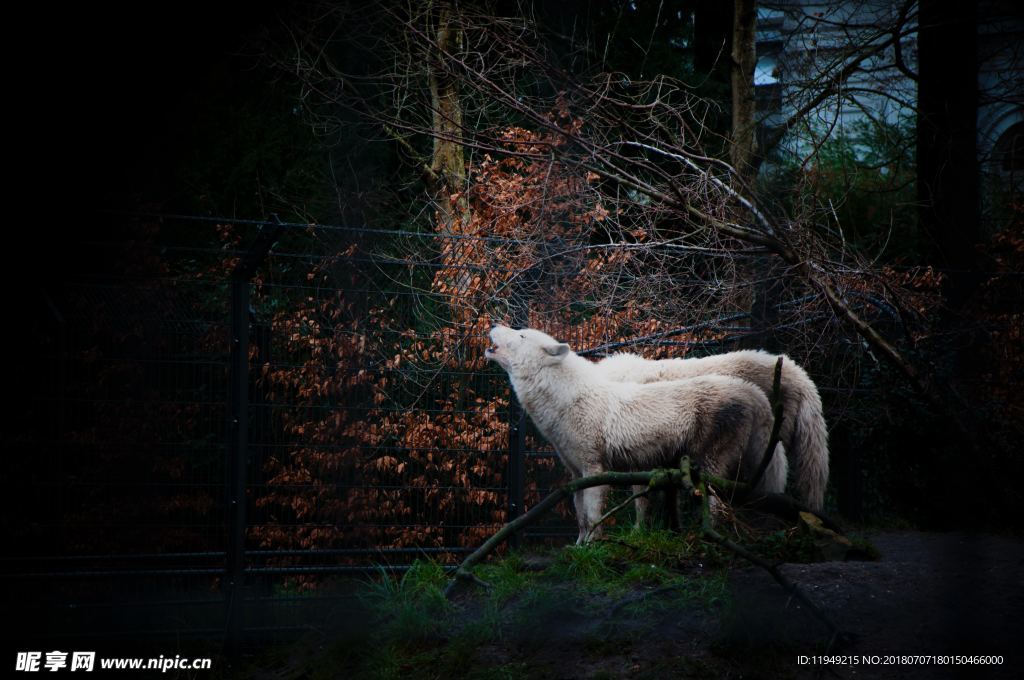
[[190, 108], [609, 171]]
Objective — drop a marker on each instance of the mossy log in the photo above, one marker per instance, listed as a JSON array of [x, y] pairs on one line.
[[682, 479]]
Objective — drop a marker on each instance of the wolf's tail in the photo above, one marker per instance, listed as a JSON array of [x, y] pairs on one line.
[[774, 480], [809, 457]]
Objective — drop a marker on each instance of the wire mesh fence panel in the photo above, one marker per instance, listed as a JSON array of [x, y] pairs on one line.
[[377, 425], [375, 436]]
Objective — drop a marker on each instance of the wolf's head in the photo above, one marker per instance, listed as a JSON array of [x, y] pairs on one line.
[[524, 350]]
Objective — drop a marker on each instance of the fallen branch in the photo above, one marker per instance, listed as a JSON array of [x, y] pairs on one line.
[[707, 529], [789, 508], [779, 504], [618, 507], [652, 478], [773, 440]]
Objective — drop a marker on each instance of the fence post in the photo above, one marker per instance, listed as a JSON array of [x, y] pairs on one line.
[[238, 433], [516, 446], [516, 454]]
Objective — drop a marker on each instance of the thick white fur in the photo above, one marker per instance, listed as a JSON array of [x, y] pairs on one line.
[[803, 432], [597, 424]]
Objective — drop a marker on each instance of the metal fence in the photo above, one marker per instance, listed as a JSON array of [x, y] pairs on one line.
[[232, 418]]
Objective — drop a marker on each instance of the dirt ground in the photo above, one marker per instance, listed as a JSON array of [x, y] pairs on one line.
[[929, 594]]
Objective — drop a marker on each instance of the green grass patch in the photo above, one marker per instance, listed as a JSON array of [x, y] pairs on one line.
[[508, 577], [410, 606], [591, 565], [403, 625]]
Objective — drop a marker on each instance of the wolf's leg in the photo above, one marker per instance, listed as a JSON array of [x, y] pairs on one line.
[[593, 507], [579, 501]]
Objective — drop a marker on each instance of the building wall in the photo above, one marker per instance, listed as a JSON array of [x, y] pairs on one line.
[[803, 44]]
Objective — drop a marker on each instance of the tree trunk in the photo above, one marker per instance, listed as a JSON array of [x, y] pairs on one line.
[[448, 163], [744, 58], [743, 155], [446, 179]]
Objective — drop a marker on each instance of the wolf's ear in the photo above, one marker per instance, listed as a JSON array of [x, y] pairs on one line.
[[559, 350]]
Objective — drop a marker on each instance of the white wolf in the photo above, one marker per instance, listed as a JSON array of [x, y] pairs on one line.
[[803, 433], [597, 424]]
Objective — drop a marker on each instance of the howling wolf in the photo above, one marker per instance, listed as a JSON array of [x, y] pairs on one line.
[[598, 424]]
